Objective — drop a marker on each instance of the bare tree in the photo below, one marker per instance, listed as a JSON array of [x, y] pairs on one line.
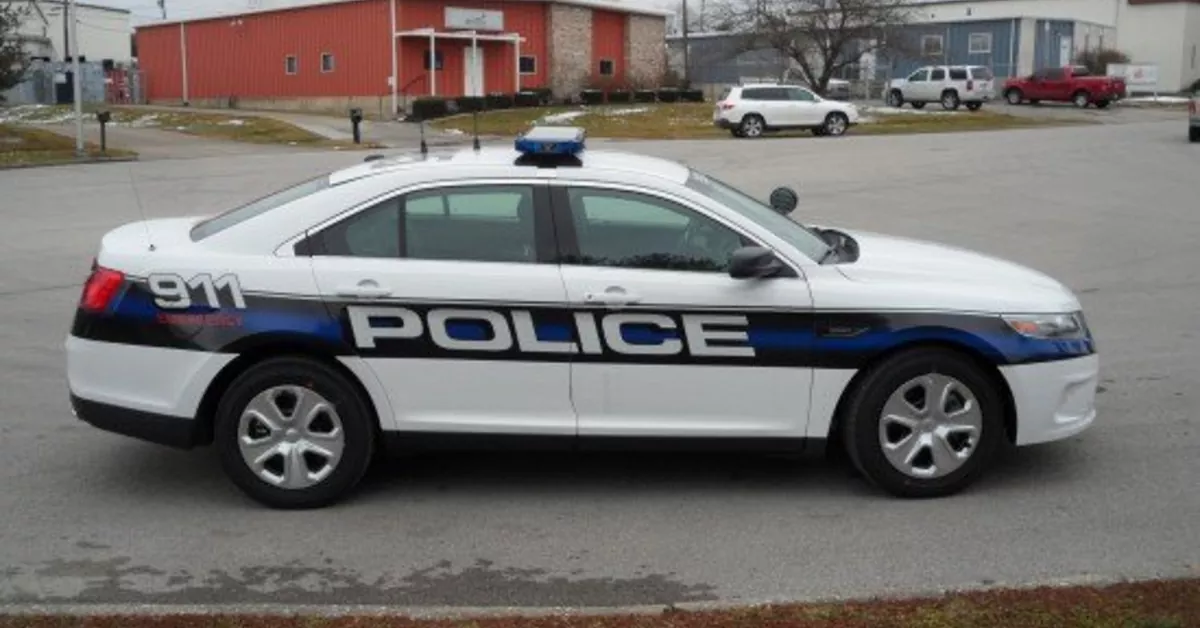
[[14, 61], [823, 37]]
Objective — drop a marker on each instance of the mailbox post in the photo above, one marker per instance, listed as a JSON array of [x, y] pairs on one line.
[[356, 117], [103, 117]]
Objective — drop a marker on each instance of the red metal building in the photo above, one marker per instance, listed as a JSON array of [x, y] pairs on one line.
[[342, 53]]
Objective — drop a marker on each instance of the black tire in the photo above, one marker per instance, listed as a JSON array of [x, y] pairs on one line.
[[818, 131], [918, 105], [752, 126], [861, 427], [836, 124], [735, 132], [358, 426], [949, 100], [1081, 99], [1102, 104], [895, 98], [1194, 134], [974, 106], [1013, 96]]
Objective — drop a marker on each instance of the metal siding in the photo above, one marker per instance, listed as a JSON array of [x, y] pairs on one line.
[[500, 65], [608, 42], [1045, 47], [956, 38], [158, 57]]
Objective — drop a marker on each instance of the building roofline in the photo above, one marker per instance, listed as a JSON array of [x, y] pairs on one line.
[[606, 5]]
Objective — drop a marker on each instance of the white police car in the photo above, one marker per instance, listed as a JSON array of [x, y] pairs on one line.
[[562, 297]]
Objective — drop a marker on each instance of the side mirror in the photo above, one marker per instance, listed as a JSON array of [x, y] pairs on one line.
[[784, 200], [754, 262]]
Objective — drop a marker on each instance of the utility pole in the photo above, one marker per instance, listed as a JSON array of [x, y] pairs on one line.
[[687, 81], [76, 87], [162, 5], [66, 36]]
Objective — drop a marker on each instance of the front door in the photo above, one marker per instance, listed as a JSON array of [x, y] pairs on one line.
[[442, 290], [804, 107], [670, 344], [473, 71]]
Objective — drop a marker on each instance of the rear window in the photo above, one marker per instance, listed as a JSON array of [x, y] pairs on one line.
[[221, 222], [982, 74]]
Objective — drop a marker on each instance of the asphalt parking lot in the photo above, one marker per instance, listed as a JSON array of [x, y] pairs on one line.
[[89, 517]]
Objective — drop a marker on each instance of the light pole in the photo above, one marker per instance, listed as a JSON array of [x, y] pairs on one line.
[[77, 83]]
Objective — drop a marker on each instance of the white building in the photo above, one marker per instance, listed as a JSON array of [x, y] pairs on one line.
[[103, 32]]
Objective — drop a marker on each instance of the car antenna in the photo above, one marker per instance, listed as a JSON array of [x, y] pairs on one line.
[[475, 121], [424, 147], [141, 208]]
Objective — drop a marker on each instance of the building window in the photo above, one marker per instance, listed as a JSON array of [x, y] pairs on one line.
[[437, 58], [931, 45], [326, 62], [290, 64], [979, 44], [607, 67], [528, 65]]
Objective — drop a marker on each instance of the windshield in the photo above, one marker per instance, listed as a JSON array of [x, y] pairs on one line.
[[205, 228], [785, 228]]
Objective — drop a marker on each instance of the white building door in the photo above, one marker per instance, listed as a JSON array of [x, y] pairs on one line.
[[1064, 51], [473, 71]]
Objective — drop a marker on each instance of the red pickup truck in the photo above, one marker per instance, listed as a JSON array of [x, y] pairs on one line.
[[1072, 83]]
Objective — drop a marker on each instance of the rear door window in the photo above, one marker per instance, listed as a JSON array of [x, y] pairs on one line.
[[938, 74]]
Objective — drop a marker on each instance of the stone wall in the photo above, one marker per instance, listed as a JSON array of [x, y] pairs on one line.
[[645, 50], [569, 49]]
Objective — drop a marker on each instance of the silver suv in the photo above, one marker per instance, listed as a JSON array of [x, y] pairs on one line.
[[951, 85]]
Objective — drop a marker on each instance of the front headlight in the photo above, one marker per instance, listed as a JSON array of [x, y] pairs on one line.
[[1049, 326]]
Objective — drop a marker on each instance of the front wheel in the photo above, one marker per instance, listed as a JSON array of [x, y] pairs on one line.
[[1194, 134], [294, 433], [1081, 99], [835, 124], [924, 423], [895, 98]]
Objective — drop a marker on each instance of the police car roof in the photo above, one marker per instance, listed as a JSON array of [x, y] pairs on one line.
[[507, 158]]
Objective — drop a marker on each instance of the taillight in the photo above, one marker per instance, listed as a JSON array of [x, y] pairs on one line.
[[101, 287], [725, 106]]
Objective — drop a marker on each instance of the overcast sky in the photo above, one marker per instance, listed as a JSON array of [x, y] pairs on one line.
[[146, 10]]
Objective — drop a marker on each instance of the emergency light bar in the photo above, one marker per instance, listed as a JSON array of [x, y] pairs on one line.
[[551, 140]]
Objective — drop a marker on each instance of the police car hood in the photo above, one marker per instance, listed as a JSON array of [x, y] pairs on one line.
[[930, 268]]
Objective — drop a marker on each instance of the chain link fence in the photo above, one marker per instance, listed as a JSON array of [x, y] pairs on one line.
[[52, 83]]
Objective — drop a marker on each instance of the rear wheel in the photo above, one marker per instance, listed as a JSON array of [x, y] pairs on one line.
[[1081, 99], [752, 126], [294, 433], [924, 423], [1013, 96]]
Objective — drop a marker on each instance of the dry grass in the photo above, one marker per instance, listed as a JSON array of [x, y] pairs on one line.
[[255, 129], [1157, 604], [26, 146], [694, 121]]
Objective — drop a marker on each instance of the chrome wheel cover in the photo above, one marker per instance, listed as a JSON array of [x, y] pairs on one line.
[[930, 426]]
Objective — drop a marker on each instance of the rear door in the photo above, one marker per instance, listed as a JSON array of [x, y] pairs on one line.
[[445, 290], [671, 345], [937, 82]]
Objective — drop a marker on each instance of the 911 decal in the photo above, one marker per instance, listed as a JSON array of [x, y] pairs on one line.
[[172, 292]]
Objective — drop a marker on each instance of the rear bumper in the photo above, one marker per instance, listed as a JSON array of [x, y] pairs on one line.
[[155, 428], [1054, 400]]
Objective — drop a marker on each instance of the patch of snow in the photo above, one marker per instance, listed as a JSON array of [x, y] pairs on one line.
[[1166, 100], [143, 121], [891, 111], [566, 116], [234, 122], [181, 128], [454, 132], [35, 114], [627, 111]]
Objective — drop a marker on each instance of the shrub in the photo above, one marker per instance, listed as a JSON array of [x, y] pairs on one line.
[[545, 95], [591, 96], [644, 95], [527, 99], [1096, 61], [429, 108], [691, 95], [499, 101], [668, 95], [467, 104], [620, 96]]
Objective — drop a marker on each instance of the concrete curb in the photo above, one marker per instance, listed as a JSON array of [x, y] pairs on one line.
[[76, 162], [450, 612]]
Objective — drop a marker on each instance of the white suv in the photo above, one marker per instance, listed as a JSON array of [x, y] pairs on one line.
[[952, 85], [751, 110]]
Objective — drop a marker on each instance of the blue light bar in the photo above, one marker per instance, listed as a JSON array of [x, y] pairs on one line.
[[551, 140]]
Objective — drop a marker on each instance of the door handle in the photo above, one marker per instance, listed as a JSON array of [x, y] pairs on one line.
[[613, 295], [365, 289]]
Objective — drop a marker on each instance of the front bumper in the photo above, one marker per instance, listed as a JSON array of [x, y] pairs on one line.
[[1054, 400]]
